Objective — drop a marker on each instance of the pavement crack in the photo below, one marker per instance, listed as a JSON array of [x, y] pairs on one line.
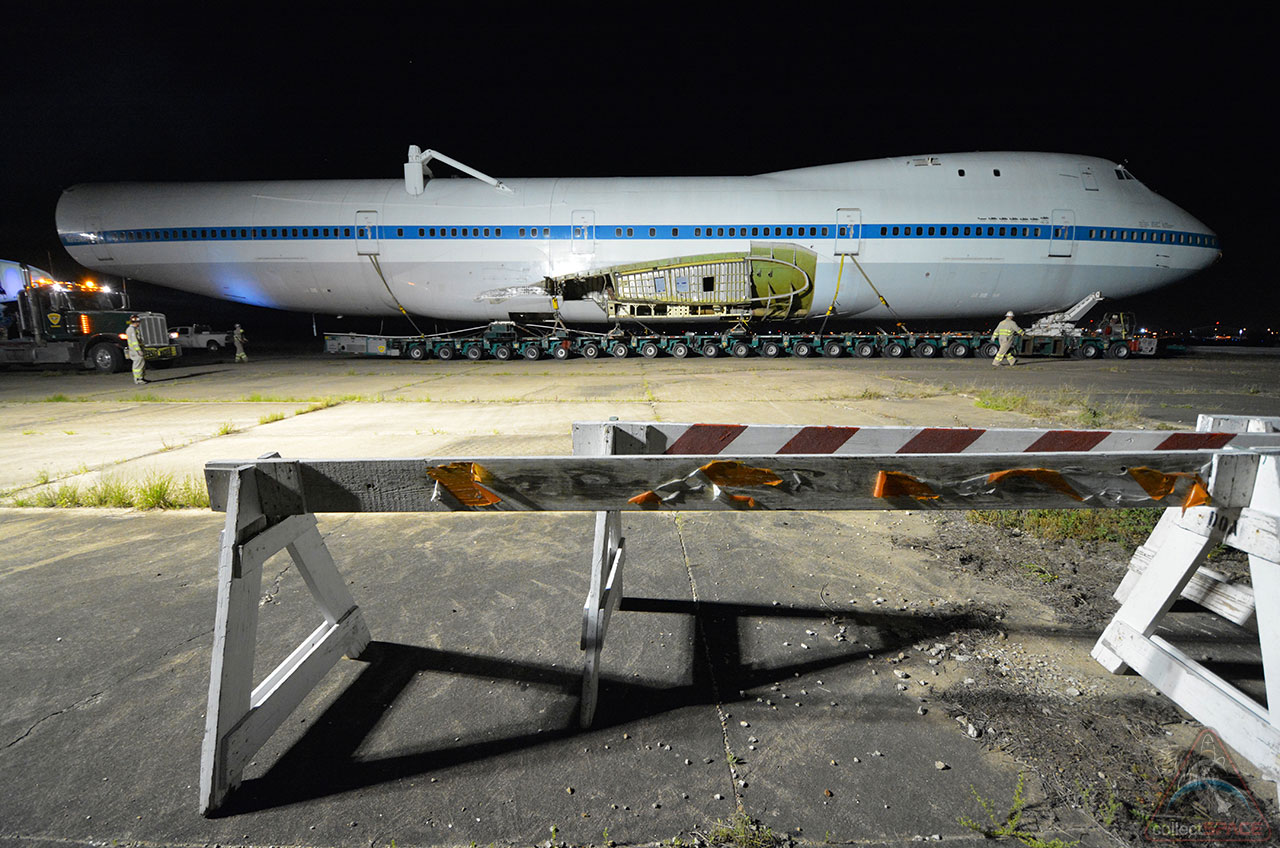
[[53, 714], [731, 759]]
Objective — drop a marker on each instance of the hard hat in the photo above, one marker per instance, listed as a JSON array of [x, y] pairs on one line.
[[134, 318], [1009, 314]]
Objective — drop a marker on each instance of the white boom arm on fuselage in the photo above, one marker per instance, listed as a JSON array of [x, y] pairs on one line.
[[955, 235]]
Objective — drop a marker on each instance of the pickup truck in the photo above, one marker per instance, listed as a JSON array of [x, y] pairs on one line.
[[202, 337]]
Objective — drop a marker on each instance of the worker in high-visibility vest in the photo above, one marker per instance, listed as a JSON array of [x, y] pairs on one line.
[[237, 338], [133, 338], [1005, 331]]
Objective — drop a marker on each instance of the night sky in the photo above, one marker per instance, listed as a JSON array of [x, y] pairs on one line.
[[180, 91]]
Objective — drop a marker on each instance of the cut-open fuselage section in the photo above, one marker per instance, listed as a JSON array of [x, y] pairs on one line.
[[770, 281]]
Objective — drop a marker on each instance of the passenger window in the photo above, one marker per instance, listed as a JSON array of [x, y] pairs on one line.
[[675, 231], [453, 232], [697, 232], [346, 232], [577, 232], [720, 232], [960, 172], [919, 231], [652, 232], [630, 232], [931, 231], [399, 232], [1002, 231], [995, 172], [274, 233], [789, 230], [422, 231], [617, 232], [522, 232], [497, 232], [895, 231], [824, 231], [813, 231], [966, 231], [766, 231], [475, 232], [486, 232], [755, 231]]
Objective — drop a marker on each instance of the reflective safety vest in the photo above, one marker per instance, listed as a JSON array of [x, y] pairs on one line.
[[1007, 327], [131, 336]]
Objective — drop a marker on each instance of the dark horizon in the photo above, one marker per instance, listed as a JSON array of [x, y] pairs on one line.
[[139, 93]]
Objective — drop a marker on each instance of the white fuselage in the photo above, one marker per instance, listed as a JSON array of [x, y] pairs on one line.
[[970, 234]]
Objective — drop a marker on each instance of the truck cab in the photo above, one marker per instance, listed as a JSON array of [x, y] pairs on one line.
[[59, 322]]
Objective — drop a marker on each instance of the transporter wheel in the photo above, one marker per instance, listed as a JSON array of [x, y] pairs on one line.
[[416, 352], [895, 350], [1119, 350], [924, 350], [802, 349], [648, 350], [741, 349], [832, 349], [532, 352], [107, 358], [502, 352], [1089, 351], [446, 352], [710, 350], [590, 350], [771, 349], [474, 352], [561, 351], [864, 350], [619, 350], [989, 349], [679, 350], [958, 350]]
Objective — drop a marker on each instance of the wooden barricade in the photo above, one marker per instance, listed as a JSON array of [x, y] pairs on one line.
[[621, 466]]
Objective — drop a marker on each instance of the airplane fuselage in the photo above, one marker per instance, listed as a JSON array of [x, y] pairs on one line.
[[938, 236]]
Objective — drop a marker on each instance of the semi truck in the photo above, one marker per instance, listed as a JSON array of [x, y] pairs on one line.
[[56, 322]]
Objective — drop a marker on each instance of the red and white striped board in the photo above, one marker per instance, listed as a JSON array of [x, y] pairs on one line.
[[652, 438]]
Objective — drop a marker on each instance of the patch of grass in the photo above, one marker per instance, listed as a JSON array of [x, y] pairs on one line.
[[148, 397], [1065, 405], [323, 403], [1039, 571], [271, 417], [156, 492], [109, 491], [58, 398], [999, 829], [226, 429], [741, 831], [1126, 526]]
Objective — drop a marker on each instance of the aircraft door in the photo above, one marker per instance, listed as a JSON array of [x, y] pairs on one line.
[[367, 233], [1062, 232], [848, 231], [101, 250], [584, 231]]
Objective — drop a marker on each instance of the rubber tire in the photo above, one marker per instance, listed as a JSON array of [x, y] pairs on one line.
[[532, 352], [710, 350], [447, 352], [1090, 351], [416, 352], [679, 350], [474, 352], [561, 352], [590, 350], [502, 352], [864, 350], [832, 349], [989, 350], [958, 350], [106, 358], [771, 349], [212, 346], [1119, 350], [649, 350], [895, 350], [741, 350], [619, 350], [924, 350], [802, 349]]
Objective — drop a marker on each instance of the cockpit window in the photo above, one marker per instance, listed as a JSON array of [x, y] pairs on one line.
[[1122, 173]]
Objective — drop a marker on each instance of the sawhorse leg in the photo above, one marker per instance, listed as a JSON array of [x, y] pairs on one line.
[[608, 555], [241, 717]]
